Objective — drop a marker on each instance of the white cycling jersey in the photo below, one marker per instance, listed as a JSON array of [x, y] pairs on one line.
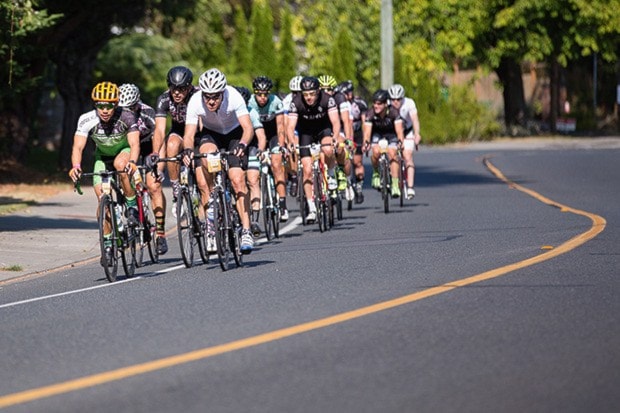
[[407, 109], [223, 120]]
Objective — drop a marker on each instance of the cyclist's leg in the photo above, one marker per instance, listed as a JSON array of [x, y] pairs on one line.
[[158, 201], [277, 168], [204, 179], [174, 145], [408, 148], [374, 160], [253, 182], [394, 165], [306, 164]]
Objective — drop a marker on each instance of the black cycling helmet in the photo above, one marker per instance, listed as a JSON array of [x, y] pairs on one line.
[[179, 76], [309, 83], [380, 95], [346, 86], [245, 92], [262, 83]]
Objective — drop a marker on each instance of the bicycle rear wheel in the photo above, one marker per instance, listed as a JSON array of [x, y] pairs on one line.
[[106, 211], [220, 220], [185, 228], [402, 178], [200, 233]]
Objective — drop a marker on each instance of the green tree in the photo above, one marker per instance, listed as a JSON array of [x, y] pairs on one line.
[[241, 52], [342, 59], [287, 57], [263, 47]]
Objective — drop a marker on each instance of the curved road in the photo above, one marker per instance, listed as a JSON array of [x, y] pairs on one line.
[[479, 295]]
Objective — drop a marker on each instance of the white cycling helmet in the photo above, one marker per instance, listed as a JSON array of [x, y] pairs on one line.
[[129, 95], [396, 91], [295, 84], [212, 81]]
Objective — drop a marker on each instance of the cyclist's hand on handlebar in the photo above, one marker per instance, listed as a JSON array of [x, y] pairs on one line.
[[151, 161], [239, 149], [131, 168], [188, 155], [75, 173]]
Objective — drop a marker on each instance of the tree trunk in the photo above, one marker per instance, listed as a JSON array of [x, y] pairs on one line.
[[554, 105], [510, 75], [74, 78]]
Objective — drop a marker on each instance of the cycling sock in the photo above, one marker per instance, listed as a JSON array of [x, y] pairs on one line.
[[282, 203], [255, 215], [160, 226], [131, 201], [311, 206]]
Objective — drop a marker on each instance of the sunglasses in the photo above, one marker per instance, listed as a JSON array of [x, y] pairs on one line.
[[179, 89], [309, 94], [378, 102], [105, 105], [328, 89], [261, 94], [211, 96], [397, 100]]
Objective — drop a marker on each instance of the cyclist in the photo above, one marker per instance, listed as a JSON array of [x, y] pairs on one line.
[[117, 145], [225, 124], [295, 87], [383, 121], [315, 116], [358, 114], [409, 113], [172, 102], [256, 147], [271, 112], [129, 98], [327, 84]]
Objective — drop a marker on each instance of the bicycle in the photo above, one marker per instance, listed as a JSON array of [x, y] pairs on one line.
[[402, 176], [191, 228], [226, 218], [270, 201], [146, 229], [384, 174], [111, 212], [319, 187]]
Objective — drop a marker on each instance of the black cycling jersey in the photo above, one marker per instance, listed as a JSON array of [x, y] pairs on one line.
[[358, 107], [312, 119], [383, 125], [166, 105]]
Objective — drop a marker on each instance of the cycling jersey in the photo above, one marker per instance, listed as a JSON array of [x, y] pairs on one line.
[[312, 119], [110, 137], [166, 105], [222, 121], [146, 121], [268, 113], [408, 108], [384, 126], [358, 107]]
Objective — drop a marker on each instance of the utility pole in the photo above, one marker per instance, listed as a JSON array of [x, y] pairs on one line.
[[387, 44]]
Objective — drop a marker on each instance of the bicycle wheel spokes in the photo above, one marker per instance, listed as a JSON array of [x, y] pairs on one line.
[[128, 254], [109, 261], [185, 228], [149, 229], [385, 186]]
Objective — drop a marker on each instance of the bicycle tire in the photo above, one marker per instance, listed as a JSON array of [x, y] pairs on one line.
[[128, 253], [200, 233], [234, 236], [267, 206], [339, 209], [385, 187], [185, 228], [319, 203], [141, 241], [106, 208], [331, 205], [402, 172], [220, 221], [150, 228], [301, 196], [277, 214]]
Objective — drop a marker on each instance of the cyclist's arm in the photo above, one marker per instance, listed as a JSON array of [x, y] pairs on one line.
[[416, 127], [248, 129], [188, 136], [290, 128], [159, 134], [367, 131], [133, 138], [79, 143], [334, 117], [281, 130], [261, 138], [399, 127]]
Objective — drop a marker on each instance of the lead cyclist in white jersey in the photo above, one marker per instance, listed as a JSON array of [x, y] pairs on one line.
[[409, 113]]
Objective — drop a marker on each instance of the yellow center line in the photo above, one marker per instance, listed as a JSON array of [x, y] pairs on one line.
[[598, 225]]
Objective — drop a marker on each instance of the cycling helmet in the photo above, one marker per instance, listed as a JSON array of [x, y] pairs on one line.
[[327, 81], [212, 81], [295, 84], [396, 91], [105, 92], [245, 92], [129, 95], [309, 83], [380, 95], [262, 83], [179, 76], [346, 86]]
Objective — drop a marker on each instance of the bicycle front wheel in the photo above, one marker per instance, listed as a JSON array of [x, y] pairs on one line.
[[149, 232], [402, 178], [128, 254], [109, 261], [385, 185], [220, 220], [185, 228], [267, 206]]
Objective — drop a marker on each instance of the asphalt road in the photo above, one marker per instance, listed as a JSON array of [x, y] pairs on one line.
[[383, 313]]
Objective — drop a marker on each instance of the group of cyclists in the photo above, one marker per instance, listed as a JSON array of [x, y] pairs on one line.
[[249, 125]]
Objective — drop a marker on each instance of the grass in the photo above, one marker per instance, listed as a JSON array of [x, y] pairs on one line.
[[15, 268]]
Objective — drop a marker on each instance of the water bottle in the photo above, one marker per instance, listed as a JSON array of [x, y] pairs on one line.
[[119, 219]]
